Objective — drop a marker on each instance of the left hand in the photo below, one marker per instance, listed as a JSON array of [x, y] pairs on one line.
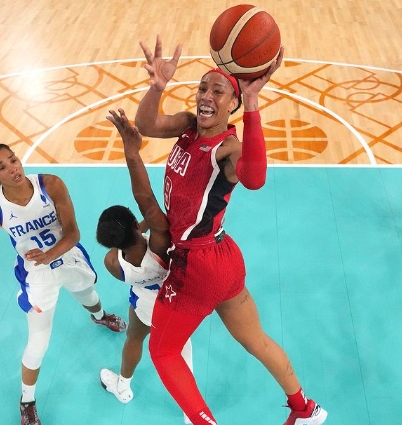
[[132, 139], [252, 87], [38, 256]]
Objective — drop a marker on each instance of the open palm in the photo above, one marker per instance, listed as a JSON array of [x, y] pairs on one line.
[[160, 70]]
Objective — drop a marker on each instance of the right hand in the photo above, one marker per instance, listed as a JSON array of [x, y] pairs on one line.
[[160, 70], [132, 139]]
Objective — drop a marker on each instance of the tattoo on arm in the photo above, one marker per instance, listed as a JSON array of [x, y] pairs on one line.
[[59, 217], [245, 299], [289, 369]]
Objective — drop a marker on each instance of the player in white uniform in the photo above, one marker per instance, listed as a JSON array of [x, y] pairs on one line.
[[37, 213], [135, 258]]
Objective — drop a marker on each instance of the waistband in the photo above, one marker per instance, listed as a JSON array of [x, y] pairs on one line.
[[198, 243]]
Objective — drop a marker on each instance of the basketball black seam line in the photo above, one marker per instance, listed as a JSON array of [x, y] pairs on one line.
[[222, 64], [236, 23], [244, 54]]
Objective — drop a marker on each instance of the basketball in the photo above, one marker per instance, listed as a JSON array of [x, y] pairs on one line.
[[244, 41]]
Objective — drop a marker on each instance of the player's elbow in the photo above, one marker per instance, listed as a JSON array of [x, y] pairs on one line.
[[142, 126], [75, 237], [255, 183]]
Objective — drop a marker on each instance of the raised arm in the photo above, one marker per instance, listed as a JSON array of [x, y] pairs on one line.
[[58, 192], [247, 162], [149, 121], [154, 217]]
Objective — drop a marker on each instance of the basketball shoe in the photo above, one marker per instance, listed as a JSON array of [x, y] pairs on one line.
[[313, 414], [111, 321], [109, 381], [29, 415]]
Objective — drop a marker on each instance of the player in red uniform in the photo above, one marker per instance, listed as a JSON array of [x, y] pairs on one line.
[[207, 270]]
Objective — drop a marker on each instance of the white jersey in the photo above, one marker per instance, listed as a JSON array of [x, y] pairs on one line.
[[145, 281], [34, 225]]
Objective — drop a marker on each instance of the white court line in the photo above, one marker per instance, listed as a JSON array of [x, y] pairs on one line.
[[32, 72], [86, 108], [93, 105], [358, 136]]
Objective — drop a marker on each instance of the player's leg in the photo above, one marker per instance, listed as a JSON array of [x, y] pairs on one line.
[[187, 354], [78, 277], [89, 299], [170, 330], [132, 350], [40, 329], [240, 316], [119, 385]]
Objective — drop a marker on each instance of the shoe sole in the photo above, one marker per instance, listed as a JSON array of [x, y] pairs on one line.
[[318, 420], [111, 392], [117, 330]]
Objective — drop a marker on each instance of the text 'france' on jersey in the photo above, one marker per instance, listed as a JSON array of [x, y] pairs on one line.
[[34, 225]]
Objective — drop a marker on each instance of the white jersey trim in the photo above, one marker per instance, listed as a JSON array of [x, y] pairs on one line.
[[212, 179]]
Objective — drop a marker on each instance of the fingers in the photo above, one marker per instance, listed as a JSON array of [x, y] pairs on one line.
[[177, 53], [114, 118], [36, 255], [279, 59], [158, 47], [122, 115], [147, 53], [150, 69], [277, 62]]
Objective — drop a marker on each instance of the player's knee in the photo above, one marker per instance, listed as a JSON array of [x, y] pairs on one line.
[[254, 346], [88, 297], [157, 353], [34, 353], [134, 338]]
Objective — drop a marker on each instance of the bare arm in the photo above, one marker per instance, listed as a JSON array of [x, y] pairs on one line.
[[112, 264], [153, 215], [58, 192], [149, 121]]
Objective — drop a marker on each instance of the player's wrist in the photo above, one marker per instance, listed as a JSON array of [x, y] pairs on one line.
[[250, 102], [252, 116]]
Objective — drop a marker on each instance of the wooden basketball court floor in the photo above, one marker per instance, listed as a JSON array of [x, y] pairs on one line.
[[321, 241]]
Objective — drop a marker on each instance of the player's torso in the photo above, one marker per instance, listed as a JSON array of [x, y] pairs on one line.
[[34, 225], [150, 273], [196, 191]]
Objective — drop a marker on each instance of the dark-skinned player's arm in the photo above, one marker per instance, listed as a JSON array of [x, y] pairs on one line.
[[154, 217], [58, 192]]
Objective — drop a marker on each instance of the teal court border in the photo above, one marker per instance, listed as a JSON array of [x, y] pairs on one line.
[[323, 251]]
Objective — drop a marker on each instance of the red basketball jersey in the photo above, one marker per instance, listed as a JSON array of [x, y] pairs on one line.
[[196, 191]]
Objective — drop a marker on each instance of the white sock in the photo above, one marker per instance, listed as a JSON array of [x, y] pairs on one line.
[[28, 393], [98, 315], [123, 383]]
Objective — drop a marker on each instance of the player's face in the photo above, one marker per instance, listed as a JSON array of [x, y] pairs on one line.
[[11, 171], [215, 101]]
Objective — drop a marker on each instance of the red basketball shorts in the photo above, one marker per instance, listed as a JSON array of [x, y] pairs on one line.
[[200, 279]]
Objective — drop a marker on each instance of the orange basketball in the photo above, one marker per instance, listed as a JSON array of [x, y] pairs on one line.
[[244, 41]]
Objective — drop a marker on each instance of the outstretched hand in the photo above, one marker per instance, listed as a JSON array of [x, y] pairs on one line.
[[252, 87], [160, 70], [132, 139]]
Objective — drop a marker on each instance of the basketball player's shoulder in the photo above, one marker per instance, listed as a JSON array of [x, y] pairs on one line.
[[53, 184], [231, 142]]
